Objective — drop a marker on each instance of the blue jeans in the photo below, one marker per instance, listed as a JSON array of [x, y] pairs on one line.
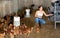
[[39, 20]]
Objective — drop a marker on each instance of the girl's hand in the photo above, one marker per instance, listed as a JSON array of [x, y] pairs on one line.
[[50, 14]]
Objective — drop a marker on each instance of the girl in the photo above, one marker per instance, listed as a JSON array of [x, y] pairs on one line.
[[38, 17]]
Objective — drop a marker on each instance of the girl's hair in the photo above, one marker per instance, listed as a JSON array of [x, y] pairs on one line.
[[39, 6]]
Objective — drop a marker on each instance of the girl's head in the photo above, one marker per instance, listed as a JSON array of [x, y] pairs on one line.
[[40, 8]]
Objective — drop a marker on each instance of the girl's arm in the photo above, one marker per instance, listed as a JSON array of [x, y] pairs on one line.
[[47, 14], [36, 14]]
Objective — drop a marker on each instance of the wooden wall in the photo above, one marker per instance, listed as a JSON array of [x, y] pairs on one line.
[[14, 5]]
